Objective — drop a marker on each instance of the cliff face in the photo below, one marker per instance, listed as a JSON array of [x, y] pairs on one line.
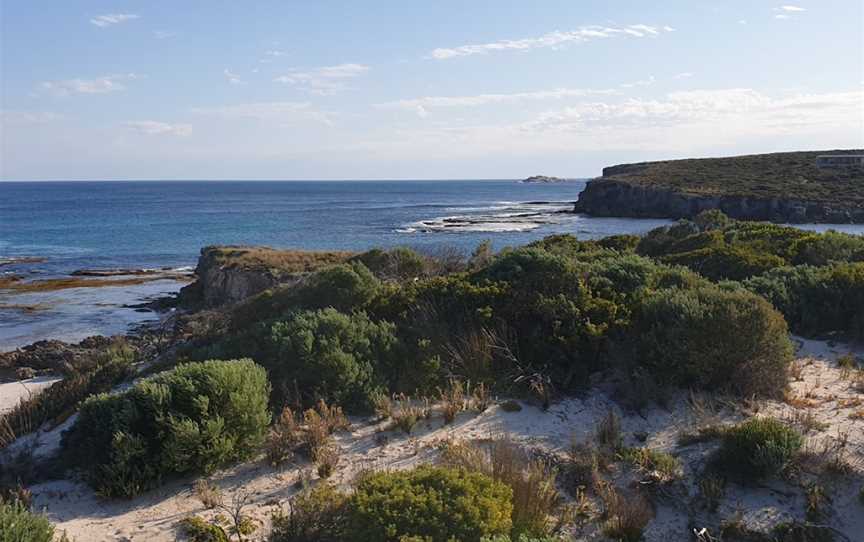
[[222, 283], [607, 197]]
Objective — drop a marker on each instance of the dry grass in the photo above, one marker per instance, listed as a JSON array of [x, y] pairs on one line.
[[627, 515], [608, 432], [818, 502], [326, 459], [480, 397], [453, 400], [286, 261], [209, 494], [283, 439], [537, 505], [406, 414]]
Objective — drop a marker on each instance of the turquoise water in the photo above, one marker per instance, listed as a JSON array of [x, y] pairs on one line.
[[99, 225]]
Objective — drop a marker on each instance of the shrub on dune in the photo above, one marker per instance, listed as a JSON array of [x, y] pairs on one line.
[[713, 339], [330, 355], [194, 418], [18, 524], [434, 504]]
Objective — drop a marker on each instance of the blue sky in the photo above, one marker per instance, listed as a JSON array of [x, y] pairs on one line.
[[444, 89]]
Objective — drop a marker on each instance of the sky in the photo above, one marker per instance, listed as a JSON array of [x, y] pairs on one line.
[[450, 89]]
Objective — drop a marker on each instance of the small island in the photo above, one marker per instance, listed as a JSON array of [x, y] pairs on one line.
[[543, 179], [789, 187]]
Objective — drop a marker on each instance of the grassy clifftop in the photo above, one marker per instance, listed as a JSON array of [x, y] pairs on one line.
[[791, 175], [265, 258]]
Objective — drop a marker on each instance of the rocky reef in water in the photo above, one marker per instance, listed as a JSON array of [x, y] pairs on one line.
[[543, 179], [782, 187]]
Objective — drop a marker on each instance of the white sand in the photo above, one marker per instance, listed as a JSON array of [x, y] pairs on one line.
[[11, 393], [153, 516]]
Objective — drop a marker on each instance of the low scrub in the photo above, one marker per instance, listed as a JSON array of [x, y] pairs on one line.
[[330, 355], [194, 418], [757, 448], [434, 504], [537, 504], [18, 524], [714, 340]]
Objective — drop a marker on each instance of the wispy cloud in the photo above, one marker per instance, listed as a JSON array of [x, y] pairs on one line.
[[703, 106], [233, 78], [275, 53], [27, 117], [279, 112], [554, 39], [152, 127], [683, 75], [163, 34], [103, 21], [647, 82], [786, 12], [326, 80], [421, 105], [99, 85]]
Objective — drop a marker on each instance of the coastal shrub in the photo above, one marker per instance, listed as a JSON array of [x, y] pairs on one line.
[[313, 515], [829, 247], [725, 262], [18, 524], [194, 418], [712, 339], [398, 263], [343, 287], [537, 503], [757, 448], [432, 503], [328, 355], [817, 300]]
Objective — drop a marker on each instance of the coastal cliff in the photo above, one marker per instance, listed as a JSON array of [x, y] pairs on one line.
[[228, 274], [784, 187]]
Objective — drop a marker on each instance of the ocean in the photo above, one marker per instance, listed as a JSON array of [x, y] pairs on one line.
[[82, 225]]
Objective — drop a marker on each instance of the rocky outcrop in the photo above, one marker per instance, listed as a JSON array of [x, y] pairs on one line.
[[615, 197], [543, 179], [222, 282], [53, 355]]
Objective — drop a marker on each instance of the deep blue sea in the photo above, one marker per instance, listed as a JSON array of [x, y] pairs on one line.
[[100, 225]]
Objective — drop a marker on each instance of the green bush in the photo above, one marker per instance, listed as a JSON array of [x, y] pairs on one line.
[[817, 300], [725, 262], [194, 418], [329, 355], [397, 263], [343, 287], [828, 247], [436, 504], [712, 339], [17, 524], [198, 530], [757, 448]]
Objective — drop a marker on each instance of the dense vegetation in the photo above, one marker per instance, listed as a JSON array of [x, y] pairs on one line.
[[785, 175], [703, 304], [191, 419], [18, 524]]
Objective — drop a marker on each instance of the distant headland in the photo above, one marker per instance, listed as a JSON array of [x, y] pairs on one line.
[[791, 187]]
